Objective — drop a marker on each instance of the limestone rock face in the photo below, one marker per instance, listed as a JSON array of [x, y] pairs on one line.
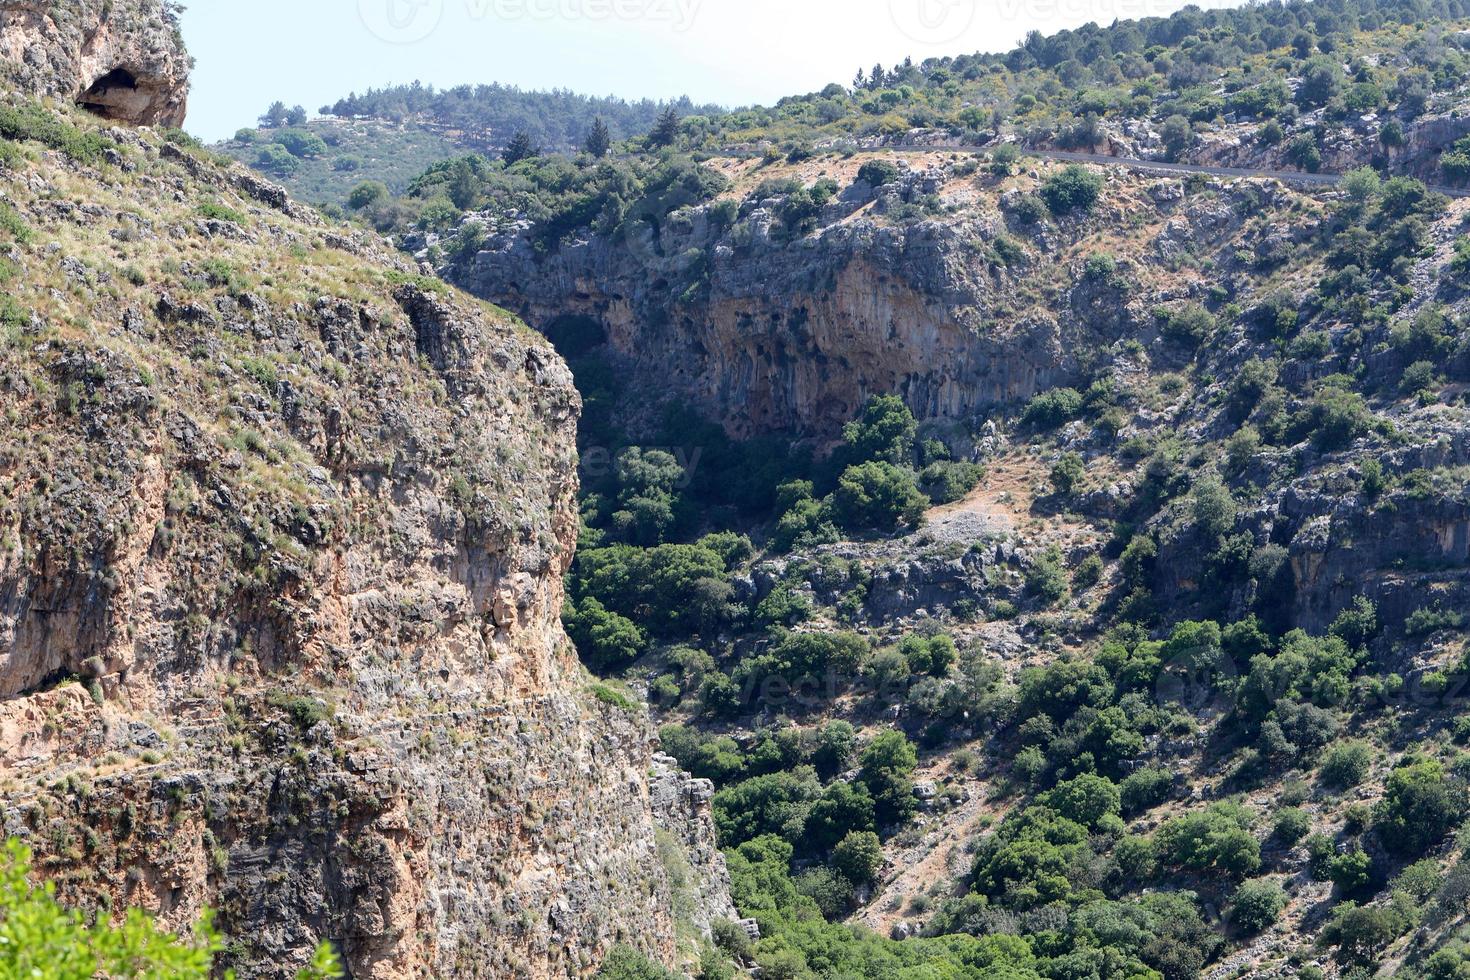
[[123, 61], [283, 528], [793, 336]]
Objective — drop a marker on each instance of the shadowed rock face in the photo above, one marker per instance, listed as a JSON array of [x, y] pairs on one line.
[[122, 61]]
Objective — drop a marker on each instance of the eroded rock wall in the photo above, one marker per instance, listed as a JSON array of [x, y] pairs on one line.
[[793, 336], [123, 60], [282, 535]]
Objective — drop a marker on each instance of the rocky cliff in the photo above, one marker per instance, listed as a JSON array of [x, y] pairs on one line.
[[775, 334], [282, 535], [123, 61], [936, 286]]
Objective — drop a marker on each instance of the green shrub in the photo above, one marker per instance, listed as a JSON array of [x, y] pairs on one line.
[[1433, 619], [1074, 189], [218, 212], [876, 173], [858, 857], [624, 963], [1143, 790], [1052, 408], [604, 639], [1351, 871], [1088, 572], [12, 224], [1420, 805], [1216, 839], [1292, 824], [29, 121], [1067, 473], [39, 938], [1256, 906], [1346, 765], [877, 496], [1046, 579], [612, 696]]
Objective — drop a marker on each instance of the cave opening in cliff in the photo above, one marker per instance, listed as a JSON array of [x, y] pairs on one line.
[[574, 335], [115, 95]]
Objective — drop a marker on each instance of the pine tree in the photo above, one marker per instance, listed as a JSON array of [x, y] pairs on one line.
[[860, 80], [666, 130], [275, 117], [599, 140], [296, 117], [520, 148], [878, 77]]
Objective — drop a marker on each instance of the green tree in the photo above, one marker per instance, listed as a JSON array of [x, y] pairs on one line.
[[858, 856], [1216, 839], [273, 158], [1074, 189], [666, 130], [296, 117], [1256, 906], [878, 496], [1067, 473], [885, 768], [276, 116], [599, 139], [1420, 806], [369, 193], [1178, 136], [605, 640], [39, 938], [1321, 80], [876, 173], [520, 148], [884, 430], [1088, 799], [1346, 764]]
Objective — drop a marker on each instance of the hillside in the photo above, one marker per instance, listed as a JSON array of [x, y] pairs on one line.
[[392, 135], [283, 529], [1059, 570]]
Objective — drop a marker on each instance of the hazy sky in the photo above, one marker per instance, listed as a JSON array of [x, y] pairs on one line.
[[732, 52]]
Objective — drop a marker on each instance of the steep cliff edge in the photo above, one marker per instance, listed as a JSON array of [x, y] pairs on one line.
[[282, 535]]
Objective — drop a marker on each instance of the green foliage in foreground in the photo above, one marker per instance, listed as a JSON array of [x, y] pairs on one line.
[[798, 942], [40, 938]]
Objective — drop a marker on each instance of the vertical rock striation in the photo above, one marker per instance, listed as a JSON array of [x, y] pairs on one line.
[[283, 528]]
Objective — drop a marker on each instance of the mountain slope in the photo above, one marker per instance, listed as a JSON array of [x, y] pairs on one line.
[[282, 534], [1057, 567]]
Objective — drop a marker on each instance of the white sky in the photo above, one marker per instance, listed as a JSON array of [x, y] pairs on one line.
[[732, 52]]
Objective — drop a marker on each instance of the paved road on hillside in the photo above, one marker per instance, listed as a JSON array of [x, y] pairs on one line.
[[1159, 167]]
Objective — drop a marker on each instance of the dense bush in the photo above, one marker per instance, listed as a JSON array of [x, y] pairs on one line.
[[876, 173], [1214, 840], [1420, 806], [1256, 906], [1052, 408], [877, 496], [1074, 189]]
